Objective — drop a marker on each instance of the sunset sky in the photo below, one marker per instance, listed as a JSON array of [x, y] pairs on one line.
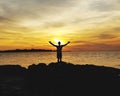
[[88, 24]]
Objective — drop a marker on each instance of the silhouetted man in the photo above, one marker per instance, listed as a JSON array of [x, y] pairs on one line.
[[59, 50]]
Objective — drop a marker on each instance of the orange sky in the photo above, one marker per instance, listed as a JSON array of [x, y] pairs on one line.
[[88, 24]]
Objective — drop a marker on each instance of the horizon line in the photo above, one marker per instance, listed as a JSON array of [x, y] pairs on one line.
[[35, 49]]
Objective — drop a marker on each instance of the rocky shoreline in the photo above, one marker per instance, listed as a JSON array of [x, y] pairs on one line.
[[59, 79]]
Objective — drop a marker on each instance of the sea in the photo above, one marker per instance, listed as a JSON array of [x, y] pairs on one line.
[[99, 58]]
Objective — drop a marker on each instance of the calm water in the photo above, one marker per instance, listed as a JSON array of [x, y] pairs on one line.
[[102, 58]]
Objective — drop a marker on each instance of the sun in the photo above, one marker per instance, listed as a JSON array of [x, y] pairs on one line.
[[57, 40]]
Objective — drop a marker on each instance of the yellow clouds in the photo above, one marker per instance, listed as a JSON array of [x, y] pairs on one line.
[[88, 24]]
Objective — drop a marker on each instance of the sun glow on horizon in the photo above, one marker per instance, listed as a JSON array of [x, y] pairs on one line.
[[57, 40]]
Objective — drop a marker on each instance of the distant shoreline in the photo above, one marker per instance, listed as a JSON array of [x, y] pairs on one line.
[[48, 50], [28, 50]]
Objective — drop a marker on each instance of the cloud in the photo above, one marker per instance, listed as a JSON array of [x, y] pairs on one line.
[[54, 24], [106, 36], [81, 21], [10, 32], [96, 46], [81, 42], [104, 5], [2, 38], [86, 19], [117, 29], [32, 8], [2, 19]]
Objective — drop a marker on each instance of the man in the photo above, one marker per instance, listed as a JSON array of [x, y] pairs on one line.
[[59, 50]]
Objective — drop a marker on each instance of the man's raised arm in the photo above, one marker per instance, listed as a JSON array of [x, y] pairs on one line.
[[52, 43], [66, 43]]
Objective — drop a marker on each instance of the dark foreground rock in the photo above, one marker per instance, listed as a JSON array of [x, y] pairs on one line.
[[59, 79]]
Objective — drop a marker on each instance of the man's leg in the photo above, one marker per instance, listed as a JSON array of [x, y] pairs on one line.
[[58, 60]]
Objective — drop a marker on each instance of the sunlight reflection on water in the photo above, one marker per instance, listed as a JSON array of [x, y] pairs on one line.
[[102, 58]]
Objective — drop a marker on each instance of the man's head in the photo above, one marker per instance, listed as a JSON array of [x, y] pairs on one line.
[[59, 43]]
